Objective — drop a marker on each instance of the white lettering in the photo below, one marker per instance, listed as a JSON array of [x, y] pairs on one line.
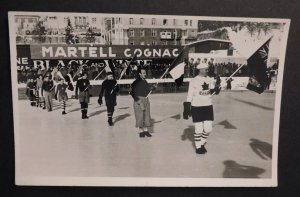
[[93, 51], [175, 52], [60, 52], [110, 52], [147, 53], [166, 53], [138, 52], [72, 52], [47, 50], [101, 52], [126, 52], [82, 49], [155, 52], [60, 62]]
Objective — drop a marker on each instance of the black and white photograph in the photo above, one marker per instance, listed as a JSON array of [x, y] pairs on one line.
[[146, 100]]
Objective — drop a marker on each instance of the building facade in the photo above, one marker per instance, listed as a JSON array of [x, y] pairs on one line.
[[146, 30]]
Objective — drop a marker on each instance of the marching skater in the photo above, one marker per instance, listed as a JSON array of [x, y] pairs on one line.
[[83, 85], [199, 105], [30, 91], [47, 89], [109, 89], [40, 101], [62, 95], [139, 91]]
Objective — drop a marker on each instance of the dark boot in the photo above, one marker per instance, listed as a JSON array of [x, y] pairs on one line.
[[82, 114], [201, 150], [147, 134], [85, 114], [110, 122]]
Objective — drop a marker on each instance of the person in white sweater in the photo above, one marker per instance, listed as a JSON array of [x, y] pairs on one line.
[[199, 105]]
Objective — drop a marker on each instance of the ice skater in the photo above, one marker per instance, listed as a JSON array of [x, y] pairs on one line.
[[109, 89], [31, 91], [199, 105], [83, 85], [47, 89], [40, 101], [62, 95], [139, 91]]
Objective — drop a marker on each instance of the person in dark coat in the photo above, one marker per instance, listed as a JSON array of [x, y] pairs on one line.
[[139, 91], [83, 85], [47, 88], [109, 90]]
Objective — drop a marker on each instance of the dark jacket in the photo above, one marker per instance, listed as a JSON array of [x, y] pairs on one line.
[[109, 89], [139, 87], [82, 85]]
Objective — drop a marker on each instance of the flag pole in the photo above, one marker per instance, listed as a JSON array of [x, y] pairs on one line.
[[167, 70], [78, 70], [99, 73], [122, 73], [231, 76]]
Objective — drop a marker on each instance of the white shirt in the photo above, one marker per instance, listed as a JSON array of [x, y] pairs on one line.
[[199, 91]]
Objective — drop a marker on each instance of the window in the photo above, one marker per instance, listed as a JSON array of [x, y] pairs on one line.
[[94, 20], [191, 23], [131, 33], [186, 22], [142, 43], [142, 33], [174, 22], [131, 21], [84, 20], [165, 21], [153, 33], [153, 21], [153, 43], [184, 33], [141, 21], [165, 43], [131, 42]]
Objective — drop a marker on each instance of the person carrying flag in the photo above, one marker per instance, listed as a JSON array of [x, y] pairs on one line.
[[109, 89], [199, 105], [83, 85], [62, 95]]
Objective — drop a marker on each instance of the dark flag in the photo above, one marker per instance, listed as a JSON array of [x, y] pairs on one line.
[[257, 65], [110, 66], [177, 67]]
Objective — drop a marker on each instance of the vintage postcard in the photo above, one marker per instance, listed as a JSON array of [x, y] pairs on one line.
[[146, 100]]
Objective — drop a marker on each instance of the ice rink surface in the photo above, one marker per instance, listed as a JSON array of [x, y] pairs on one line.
[[240, 145]]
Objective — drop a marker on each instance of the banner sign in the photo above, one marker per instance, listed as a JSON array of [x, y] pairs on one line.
[[49, 51]]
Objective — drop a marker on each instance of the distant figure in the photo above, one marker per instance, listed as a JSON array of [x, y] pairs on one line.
[[268, 81], [217, 84], [228, 87]]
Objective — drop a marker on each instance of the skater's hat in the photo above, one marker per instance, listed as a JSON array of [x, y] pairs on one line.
[[202, 65]]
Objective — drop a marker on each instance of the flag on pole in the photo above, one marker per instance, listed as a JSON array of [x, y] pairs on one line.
[[257, 64], [110, 66], [176, 69]]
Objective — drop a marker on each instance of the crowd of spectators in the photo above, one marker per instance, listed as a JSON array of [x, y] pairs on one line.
[[96, 71]]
